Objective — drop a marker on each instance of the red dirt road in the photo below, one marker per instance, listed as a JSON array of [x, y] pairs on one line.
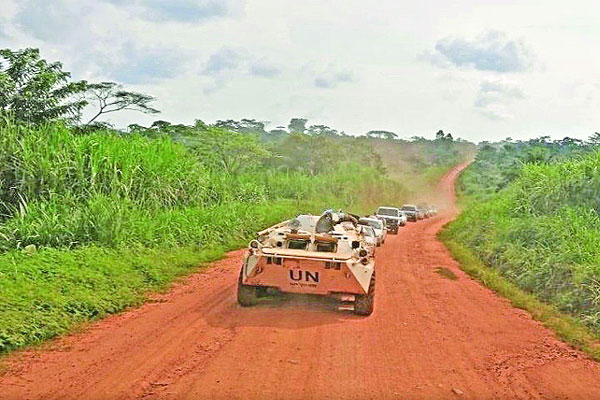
[[429, 337]]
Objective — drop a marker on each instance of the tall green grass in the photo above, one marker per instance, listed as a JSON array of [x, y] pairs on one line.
[[542, 232]]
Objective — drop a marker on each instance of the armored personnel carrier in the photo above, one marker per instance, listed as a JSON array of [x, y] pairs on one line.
[[323, 255]]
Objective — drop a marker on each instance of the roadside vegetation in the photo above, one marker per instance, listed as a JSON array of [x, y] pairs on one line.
[[531, 214], [93, 218]]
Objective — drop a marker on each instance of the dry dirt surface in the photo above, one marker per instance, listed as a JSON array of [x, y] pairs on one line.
[[430, 337]]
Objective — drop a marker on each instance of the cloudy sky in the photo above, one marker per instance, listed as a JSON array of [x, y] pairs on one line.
[[483, 70]]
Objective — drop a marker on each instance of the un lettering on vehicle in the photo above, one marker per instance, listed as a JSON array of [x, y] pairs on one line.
[[303, 278]]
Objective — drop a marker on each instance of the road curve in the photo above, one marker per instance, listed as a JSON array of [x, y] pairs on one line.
[[430, 337]]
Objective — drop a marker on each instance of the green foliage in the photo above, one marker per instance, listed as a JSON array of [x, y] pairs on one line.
[[498, 164], [47, 162], [45, 293], [440, 136], [34, 90], [297, 125], [542, 231], [225, 150]]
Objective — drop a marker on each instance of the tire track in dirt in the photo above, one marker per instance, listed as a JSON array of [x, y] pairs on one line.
[[427, 336]]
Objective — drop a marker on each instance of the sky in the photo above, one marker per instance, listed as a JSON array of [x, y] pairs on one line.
[[482, 70]]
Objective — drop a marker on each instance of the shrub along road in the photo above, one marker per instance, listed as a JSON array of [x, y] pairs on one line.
[[430, 337]]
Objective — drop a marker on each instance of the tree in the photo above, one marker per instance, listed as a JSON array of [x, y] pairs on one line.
[[136, 129], [200, 125], [322, 130], [34, 90], [382, 135], [110, 97], [568, 141], [439, 135], [230, 151], [297, 125], [594, 140], [243, 126], [277, 133], [161, 126]]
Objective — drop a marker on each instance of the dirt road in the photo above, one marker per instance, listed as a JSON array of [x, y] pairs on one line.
[[429, 337]]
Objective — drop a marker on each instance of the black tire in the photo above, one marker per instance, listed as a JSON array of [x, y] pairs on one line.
[[365, 303], [246, 294]]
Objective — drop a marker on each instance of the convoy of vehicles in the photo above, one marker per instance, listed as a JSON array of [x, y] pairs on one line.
[[330, 255]]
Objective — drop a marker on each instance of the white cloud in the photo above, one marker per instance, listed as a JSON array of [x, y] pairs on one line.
[[228, 63], [331, 77], [185, 11], [491, 51], [225, 59], [264, 68]]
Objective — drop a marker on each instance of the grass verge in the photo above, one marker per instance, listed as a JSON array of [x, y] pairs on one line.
[[53, 291], [566, 327]]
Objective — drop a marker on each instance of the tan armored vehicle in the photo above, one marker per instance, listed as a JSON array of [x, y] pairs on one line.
[[322, 255]]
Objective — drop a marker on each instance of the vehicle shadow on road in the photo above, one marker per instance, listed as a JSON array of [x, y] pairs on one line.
[[284, 311]]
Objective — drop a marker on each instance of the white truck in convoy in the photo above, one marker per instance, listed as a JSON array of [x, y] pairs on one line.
[[393, 218]]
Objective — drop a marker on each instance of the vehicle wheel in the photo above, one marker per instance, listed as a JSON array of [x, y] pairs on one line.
[[364, 303], [246, 294]]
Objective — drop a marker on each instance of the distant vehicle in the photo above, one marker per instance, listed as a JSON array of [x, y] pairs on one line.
[[403, 218], [427, 210], [411, 211], [323, 255], [392, 218], [377, 225], [422, 211]]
